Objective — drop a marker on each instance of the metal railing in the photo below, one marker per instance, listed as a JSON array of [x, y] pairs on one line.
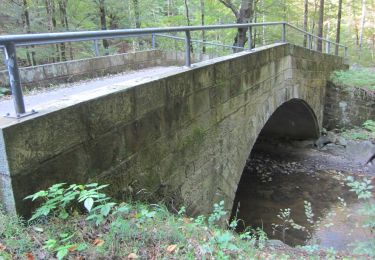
[[10, 42]]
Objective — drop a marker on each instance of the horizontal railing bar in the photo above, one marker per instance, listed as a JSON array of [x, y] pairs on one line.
[[30, 39], [199, 41], [304, 32], [78, 40]]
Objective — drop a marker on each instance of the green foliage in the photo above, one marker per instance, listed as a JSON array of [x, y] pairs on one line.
[[13, 234], [363, 189], [217, 214], [62, 246], [355, 135], [60, 201], [4, 91], [362, 78], [286, 222], [125, 227], [369, 125], [308, 212], [139, 229]]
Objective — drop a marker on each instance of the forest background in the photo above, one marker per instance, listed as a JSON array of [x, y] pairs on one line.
[[350, 22]]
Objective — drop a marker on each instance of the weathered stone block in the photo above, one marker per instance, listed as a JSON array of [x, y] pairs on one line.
[[105, 113], [32, 74], [55, 70], [149, 96], [181, 85], [199, 102], [100, 63], [203, 77], [35, 140], [116, 60], [78, 67]]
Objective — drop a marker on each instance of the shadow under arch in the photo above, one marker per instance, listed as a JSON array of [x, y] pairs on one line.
[[293, 120]]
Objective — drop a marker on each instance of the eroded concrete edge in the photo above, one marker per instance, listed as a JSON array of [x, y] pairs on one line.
[[6, 190]]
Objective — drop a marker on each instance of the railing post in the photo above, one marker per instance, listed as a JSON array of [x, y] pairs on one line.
[[14, 78], [283, 36], [250, 38], [96, 48], [328, 46], [153, 41], [308, 41], [187, 49]]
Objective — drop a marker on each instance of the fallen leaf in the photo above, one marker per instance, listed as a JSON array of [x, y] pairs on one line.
[[171, 248], [30, 256], [2, 247], [38, 229], [132, 256], [72, 248], [187, 220], [98, 242]]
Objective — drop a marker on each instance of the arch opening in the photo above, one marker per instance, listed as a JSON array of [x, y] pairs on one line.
[[293, 121]]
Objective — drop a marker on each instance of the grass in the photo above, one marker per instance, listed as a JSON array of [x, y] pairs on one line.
[[363, 78], [144, 231], [365, 132]]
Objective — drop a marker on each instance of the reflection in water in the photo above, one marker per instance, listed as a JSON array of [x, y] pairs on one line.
[[268, 185]]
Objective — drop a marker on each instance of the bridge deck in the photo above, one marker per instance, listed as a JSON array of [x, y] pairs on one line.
[[63, 94]]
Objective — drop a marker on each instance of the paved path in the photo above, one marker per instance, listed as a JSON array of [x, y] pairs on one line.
[[46, 97]]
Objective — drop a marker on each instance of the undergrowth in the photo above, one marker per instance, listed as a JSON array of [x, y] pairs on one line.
[[81, 222], [361, 78], [365, 132]]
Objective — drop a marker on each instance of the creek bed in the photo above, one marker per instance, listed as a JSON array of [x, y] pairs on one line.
[[280, 177]]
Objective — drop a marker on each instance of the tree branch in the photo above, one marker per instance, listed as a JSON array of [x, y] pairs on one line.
[[230, 5]]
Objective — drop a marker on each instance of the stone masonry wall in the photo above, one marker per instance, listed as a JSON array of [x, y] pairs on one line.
[[183, 137], [71, 71], [346, 108]]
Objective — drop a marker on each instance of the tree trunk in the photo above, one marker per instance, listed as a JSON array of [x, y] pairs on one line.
[[137, 19], [363, 19], [313, 22], [320, 25], [203, 23], [305, 21], [328, 27], [243, 15], [62, 22], [27, 28], [103, 23], [263, 20], [338, 27], [137, 14], [187, 12], [188, 19], [255, 30], [48, 5]]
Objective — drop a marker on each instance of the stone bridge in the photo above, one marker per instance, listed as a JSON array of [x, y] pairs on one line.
[[182, 137]]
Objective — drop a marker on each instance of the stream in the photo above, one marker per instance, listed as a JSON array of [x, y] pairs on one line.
[[284, 177]]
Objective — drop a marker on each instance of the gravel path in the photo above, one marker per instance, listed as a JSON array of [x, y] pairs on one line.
[[64, 91]]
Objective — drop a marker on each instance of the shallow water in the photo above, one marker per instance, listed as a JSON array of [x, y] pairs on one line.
[[270, 184]]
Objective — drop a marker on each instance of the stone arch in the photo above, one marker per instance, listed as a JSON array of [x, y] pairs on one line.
[[292, 120]]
